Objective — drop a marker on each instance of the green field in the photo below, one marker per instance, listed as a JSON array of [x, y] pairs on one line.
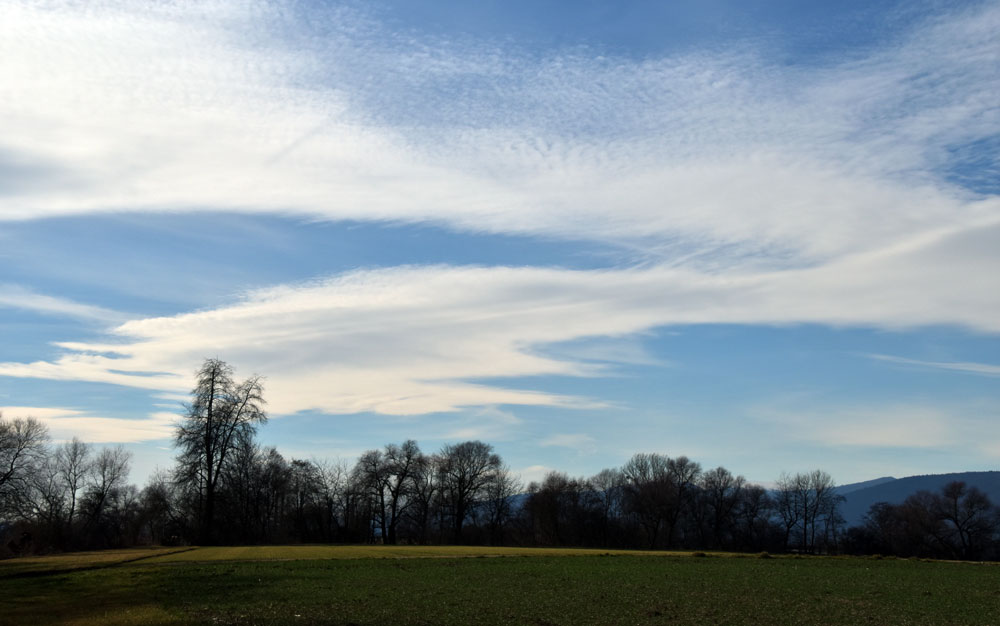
[[463, 585]]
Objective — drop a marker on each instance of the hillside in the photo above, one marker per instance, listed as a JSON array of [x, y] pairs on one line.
[[852, 487], [860, 496]]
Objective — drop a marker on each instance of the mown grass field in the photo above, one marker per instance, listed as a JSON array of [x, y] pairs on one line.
[[463, 585]]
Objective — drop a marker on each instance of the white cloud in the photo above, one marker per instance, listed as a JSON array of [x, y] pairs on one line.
[[706, 159], [18, 297], [64, 424], [762, 194], [985, 369], [410, 340], [35, 411]]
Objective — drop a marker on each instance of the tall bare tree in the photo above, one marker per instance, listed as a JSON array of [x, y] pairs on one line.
[[465, 469], [334, 476], [74, 465], [47, 499], [497, 505], [220, 411], [22, 449], [646, 482], [719, 495], [424, 491], [404, 462], [753, 514], [110, 471], [606, 488], [683, 474]]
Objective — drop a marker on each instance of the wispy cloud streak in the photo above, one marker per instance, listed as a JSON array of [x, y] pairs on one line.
[[983, 369], [18, 297]]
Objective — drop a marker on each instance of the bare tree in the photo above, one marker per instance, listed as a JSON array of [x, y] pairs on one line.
[[371, 474], [683, 475], [657, 491], [404, 461], [923, 531], [110, 471], [305, 490], [808, 506], [465, 470], [22, 449], [103, 501], [968, 516], [646, 491], [559, 509], [334, 479], [161, 518], [606, 489], [221, 409], [957, 522], [497, 505], [787, 506], [74, 465], [424, 492], [718, 497], [46, 501], [753, 516], [274, 484]]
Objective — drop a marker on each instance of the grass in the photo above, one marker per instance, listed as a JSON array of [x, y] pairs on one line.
[[345, 585], [303, 552], [78, 560]]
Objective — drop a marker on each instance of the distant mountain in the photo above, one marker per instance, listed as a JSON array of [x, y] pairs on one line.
[[859, 497], [846, 489]]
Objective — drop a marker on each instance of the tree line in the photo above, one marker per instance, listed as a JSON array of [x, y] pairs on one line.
[[228, 488]]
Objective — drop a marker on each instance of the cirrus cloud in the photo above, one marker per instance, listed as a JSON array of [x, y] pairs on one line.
[[707, 159], [65, 423], [414, 340]]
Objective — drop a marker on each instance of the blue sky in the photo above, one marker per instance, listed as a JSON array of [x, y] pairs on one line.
[[764, 235]]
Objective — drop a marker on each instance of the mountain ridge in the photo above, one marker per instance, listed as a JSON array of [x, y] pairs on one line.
[[859, 497]]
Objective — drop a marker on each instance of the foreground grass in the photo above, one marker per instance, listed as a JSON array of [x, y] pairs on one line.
[[564, 587]]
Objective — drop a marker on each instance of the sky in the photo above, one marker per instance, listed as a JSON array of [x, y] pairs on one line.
[[765, 235]]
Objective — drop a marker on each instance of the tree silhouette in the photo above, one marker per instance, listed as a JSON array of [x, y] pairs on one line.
[[220, 411]]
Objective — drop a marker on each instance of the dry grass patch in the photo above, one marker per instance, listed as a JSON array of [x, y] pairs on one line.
[[322, 552], [79, 560]]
